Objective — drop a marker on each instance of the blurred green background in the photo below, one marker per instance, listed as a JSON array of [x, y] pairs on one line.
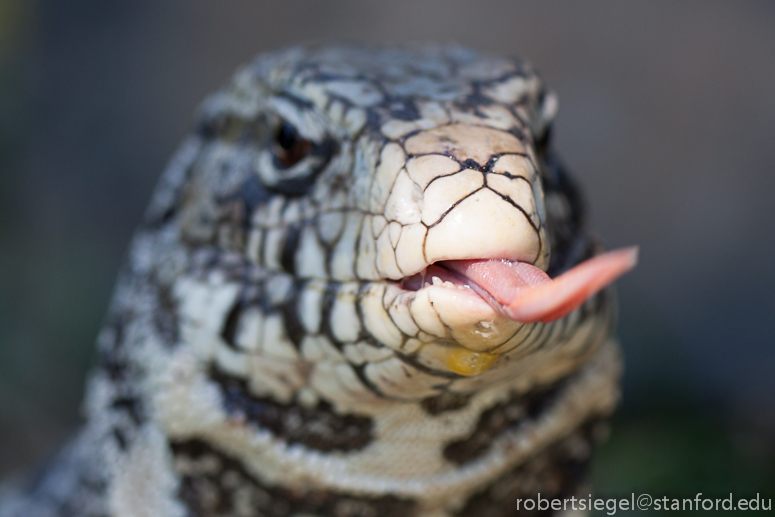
[[667, 117]]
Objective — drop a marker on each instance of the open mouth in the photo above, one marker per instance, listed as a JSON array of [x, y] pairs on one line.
[[523, 292]]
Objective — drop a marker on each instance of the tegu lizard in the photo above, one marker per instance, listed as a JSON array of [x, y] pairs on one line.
[[364, 287]]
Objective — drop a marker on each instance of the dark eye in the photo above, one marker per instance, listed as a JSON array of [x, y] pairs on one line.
[[290, 147]]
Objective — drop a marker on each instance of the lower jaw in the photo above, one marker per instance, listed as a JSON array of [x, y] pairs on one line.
[[459, 330]]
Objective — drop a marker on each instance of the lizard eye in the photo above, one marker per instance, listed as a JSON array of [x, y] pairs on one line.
[[289, 147], [289, 161]]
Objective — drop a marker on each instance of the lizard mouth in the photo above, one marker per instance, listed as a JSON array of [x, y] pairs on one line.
[[519, 290]]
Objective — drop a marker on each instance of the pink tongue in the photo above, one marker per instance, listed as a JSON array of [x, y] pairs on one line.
[[525, 293]]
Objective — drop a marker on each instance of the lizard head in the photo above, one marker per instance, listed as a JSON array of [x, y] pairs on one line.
[[393, 216]]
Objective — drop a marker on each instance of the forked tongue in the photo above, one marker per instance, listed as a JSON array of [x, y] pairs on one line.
[[525, 293]]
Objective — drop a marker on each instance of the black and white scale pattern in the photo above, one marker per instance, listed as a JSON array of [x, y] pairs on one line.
[[266, 352]]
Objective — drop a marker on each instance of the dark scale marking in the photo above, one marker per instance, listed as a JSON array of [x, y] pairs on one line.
[[165, 317], [111, 363], [558, 332], [290, 314], [474, 101], [470, 163], [163, 218], [360, 372], [249, 295], [373, 122], [230, 487], [290, 246], [330, 77], [522, 123], [365, 337], [319, 428], [357, 247], [301, 104], [111, 359], [557, 472], [547, 331], [120, 436], [447, 401], [544, 331], [213, 127], [133, 407], [229, 330], [412, 361], [326, 306], [254, 295], [347, 103], [328, 249], [501, 418], [401, 108]]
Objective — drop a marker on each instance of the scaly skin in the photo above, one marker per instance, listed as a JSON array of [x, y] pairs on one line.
[[277, 344]]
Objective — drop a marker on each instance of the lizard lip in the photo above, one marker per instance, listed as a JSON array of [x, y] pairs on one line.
[[522, 292]]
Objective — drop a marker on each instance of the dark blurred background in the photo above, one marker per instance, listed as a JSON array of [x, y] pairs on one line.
[[667, 117]]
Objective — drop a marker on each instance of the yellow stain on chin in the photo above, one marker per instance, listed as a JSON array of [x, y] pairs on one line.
[[467, 362]]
